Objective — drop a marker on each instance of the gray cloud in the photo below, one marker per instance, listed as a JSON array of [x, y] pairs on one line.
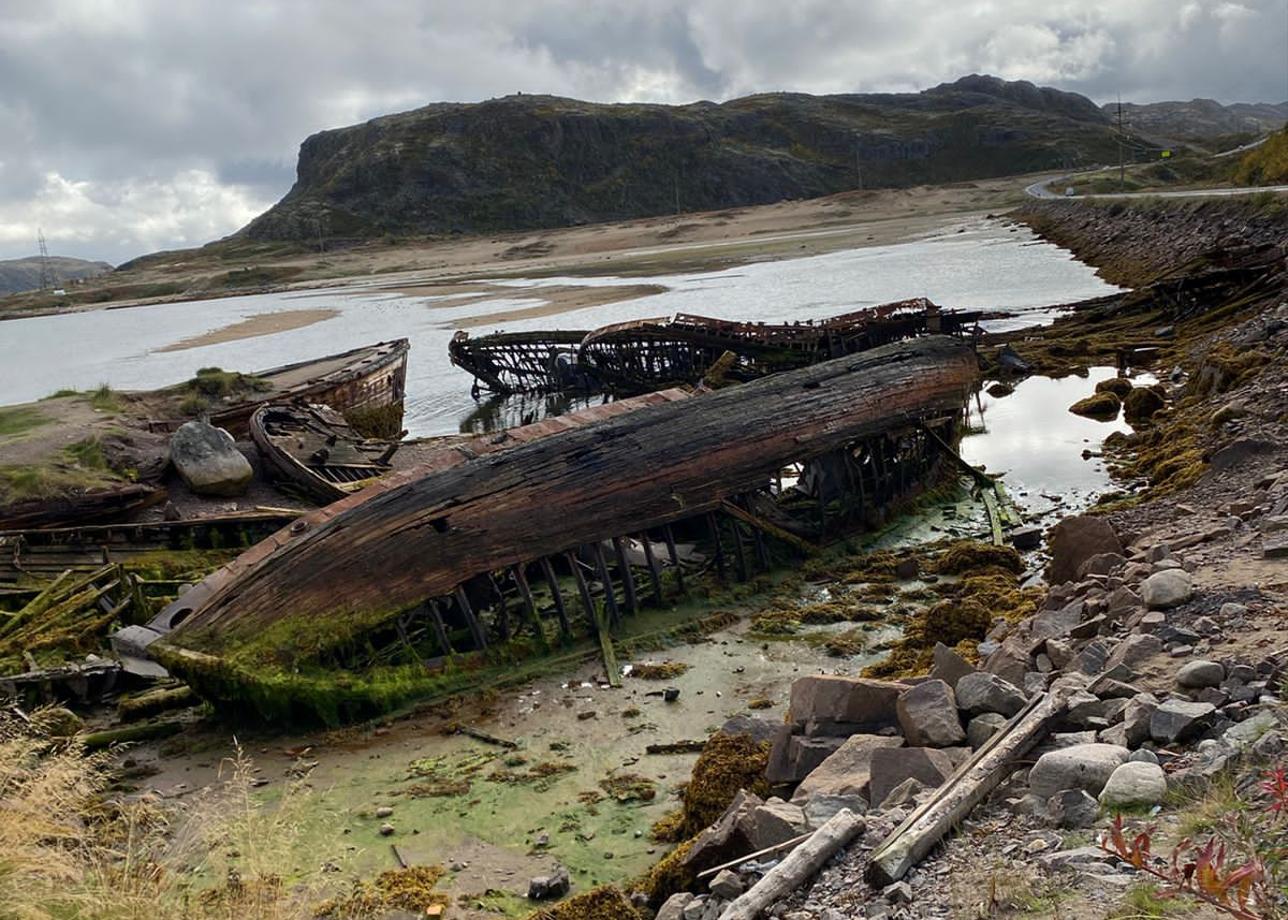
[[139, 125]]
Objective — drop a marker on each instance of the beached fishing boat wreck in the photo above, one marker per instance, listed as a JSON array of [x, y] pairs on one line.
[[315, 450], [366, 385], [397, 591], [645, 354]]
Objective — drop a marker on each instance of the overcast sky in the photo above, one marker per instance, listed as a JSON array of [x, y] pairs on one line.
[[128, 126]]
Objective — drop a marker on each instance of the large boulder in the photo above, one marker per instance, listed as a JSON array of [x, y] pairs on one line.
[[727, 838], [828, 705], [1196, 675], [1082, 766], [1168, 588], [928, 715], [982, 727], [1141, 404], [794, 757], [773, 823], [208, 460], [1178, 720], [949, 666], [892, 766], [847, 771], [1075, 540], [1134, 784], [983, 692]]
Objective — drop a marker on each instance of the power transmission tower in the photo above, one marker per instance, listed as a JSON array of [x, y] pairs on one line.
[[46, 269]]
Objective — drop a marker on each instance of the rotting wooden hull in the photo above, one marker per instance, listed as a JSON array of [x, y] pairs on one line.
[[99, 504], [362, 563], [366, 379], [292, 440], [645, 354], [521, 362]]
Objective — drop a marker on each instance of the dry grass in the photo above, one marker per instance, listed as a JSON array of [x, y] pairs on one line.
[[68, 851]]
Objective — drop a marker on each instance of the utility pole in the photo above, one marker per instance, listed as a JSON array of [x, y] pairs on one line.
[[46, 269], [1122, 169]]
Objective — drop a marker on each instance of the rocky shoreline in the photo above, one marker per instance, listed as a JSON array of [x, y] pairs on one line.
[[1162, 625]]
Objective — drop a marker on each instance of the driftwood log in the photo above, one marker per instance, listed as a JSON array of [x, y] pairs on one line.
[[361, 561], [976, 778], [798, 866]]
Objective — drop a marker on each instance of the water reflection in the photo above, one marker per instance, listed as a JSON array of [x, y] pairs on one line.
[[499, 412]]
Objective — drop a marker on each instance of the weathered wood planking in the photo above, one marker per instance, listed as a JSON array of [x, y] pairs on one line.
[[364, 559]]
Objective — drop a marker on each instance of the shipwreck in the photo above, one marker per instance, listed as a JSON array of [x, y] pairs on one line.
[[642, 355], [557, 534]]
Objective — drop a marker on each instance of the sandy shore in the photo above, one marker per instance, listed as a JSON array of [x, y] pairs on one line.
[[703, 241], [256, 325]]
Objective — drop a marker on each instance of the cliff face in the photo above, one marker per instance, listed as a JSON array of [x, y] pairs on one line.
[[524, 162]]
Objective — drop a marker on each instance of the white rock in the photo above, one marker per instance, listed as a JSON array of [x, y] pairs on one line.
[[1165, 589], [1134, 784]]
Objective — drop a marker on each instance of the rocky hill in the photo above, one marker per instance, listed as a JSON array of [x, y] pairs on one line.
[[24, 274], [523, 162], [1200, 119]]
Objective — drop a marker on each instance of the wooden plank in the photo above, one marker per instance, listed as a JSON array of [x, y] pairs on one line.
[[610, 593], [654, 572], [414, 534], [476, 628], [561, 611], [628, 579], [673, 553], [764, 526], [529, 607], [919, 833]]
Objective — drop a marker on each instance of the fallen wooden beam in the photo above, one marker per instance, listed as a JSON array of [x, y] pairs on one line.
[[765, 526], [767, 851], [976, 778], [486, 737], [796, 868], [676, 747]]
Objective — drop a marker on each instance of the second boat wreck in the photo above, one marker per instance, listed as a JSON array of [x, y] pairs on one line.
[[373, 601]]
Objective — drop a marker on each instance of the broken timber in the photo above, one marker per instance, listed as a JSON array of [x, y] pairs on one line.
[[313, 591], [974, 780], [642, 355]]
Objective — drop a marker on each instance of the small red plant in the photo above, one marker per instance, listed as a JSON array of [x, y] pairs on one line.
[[1203, 873], [1275, 785]]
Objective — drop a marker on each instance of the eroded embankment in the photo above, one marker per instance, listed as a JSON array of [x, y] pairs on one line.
[[1132, 242]]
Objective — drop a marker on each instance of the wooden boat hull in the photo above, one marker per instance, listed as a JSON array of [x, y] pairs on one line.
[[414, 536], [356, 383], [289, 438], [520, 362]]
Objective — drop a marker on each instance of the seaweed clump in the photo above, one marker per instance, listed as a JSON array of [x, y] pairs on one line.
[[1103, 405], [989, 589], [410, 889], [727, 764], [629, 787], [666, 670], [606, 902]]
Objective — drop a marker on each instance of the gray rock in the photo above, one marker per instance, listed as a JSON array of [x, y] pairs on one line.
[[983, 692], [1135, 649], [1072, 808], [847, 771], [773, 823], [1177, 720], [1101, 564], [1134, 784], [727, 838], [982, 727], [208, 460], [1230, 611], [726, 884], [1137, 716], [673, 908], [1083, 766], [898, 893], [1165, 589], [549, 887], [1080, 857], [1199, 673], [1123, 599], [949, 666], [821, 808], [842, 705], [1075, 540], [909, 792], [928, 715], [1009, 662], [1025, 538], [794, 757], [696, 909], [1244, 734], [1144, 755], [891, 766], [1057, 623]]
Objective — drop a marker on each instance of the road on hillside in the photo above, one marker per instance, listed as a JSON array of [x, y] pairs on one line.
[[1039, 190]]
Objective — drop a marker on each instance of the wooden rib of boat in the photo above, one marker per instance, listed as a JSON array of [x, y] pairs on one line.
[[402, 561], [358, 382], [45, 552], [522, 362], [98, 504], [645, 354], [315, 449]]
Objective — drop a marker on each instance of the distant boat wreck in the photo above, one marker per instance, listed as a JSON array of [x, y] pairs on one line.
[[642, 355], [558, 534]]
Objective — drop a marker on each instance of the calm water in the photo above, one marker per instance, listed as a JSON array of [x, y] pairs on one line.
[[984, 266]]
